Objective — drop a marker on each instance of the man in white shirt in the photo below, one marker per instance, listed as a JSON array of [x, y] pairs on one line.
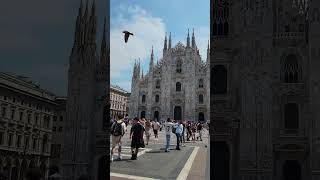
[[168, 128], [179, 129], [118, 130], [156, 127]]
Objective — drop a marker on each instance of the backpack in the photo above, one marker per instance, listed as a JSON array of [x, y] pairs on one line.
[[173, 130], [117, 129]]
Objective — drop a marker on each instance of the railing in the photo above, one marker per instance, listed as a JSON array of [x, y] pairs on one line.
[[289, 36], [292, 133], [296, 88]]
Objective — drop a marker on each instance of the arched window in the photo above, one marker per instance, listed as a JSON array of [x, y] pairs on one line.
[[178, 86], [291, 71], [157, 98], [200, 98], [158, 84], [44, 143], [226, 28], [214, 28], [220, 29], [179, 66], [200, 83], [291, 116], [143, 98], [219, 79]]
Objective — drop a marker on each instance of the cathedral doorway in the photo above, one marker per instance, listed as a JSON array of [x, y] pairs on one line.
[[143, 114], [177, 115], [221, 160], [156, 115], [201, 116], [102, 168], [291, 170]]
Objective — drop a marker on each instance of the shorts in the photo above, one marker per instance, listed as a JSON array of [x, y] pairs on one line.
[[137, 144], [155, 131], [148, 133], [116, 140]]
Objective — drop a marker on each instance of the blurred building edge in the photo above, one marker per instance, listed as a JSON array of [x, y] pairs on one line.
[[27, 115], [86, 141], [119, 101], [265, 89]]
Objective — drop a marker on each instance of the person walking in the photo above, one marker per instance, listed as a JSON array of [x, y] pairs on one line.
[[118, 130], [168, 128], [178, 132], [182, 139], [199, 128], [156, 127], [147, 130], [136, 136]]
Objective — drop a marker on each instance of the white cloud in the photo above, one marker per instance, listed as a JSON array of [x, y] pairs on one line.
[[147, 29]]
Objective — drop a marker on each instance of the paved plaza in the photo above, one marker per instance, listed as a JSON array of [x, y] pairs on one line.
[[191, 162]]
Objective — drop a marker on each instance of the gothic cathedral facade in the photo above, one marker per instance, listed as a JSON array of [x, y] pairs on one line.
[[176, 87], [85, 150], [265, 89]]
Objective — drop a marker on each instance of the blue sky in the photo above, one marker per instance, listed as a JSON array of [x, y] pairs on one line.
[[149, 20]]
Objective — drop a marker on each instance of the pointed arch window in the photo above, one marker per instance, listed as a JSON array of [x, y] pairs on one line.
[[200, 83], [157, 98], [45, 144], [179, 66], [291, 71], [200, 98], [291, 116], [158, 84], [218, 79], [214, 28], [143, 98], [226, 28], [178, 86], [220, 28]]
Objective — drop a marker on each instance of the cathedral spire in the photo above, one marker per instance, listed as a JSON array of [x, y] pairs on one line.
[[86, 11], [193, 39], [188, 39], [151, 61], [208, 52], [165, 43], [93, 8], [169, 41], [85, 25], [103, 53], [142, 74], [92, 29], [77, 38]]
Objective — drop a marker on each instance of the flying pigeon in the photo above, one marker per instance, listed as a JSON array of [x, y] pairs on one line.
[[126, 35]]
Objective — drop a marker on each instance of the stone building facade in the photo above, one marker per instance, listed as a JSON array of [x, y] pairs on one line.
[[26, 113], [58, 132], [265, 89], [175, 87], [86, 142], [118, 101]]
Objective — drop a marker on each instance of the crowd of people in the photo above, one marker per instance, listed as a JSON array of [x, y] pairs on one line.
[[140, 128]]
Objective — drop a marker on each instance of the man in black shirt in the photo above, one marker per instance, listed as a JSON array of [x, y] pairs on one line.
[[136, 134]]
